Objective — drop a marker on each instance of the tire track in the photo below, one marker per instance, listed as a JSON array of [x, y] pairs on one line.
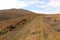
[[48, 32]]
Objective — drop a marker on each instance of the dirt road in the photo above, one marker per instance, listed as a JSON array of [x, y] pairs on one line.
[[36, 29]]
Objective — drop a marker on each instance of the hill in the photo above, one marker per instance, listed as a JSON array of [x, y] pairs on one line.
[[13, 13], [26, 25]]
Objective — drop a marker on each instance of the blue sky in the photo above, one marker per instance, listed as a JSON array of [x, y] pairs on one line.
[[38, 6]]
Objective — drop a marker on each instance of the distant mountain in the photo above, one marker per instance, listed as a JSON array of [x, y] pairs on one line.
[[13, 13], [18, 11]]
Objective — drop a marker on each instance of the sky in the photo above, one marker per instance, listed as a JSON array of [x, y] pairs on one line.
[[38, 6]]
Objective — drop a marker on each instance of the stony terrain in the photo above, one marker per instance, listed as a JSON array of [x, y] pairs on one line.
[[31, 27]]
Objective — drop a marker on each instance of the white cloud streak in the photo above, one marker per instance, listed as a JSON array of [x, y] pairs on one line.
[[7, 4], [55, 3]]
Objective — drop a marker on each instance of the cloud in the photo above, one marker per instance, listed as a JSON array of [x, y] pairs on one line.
[[55, 3], [21, 4], [45, 12], [7, 4], [38, 11], [52, 6], [50, 3], [43, 6]]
